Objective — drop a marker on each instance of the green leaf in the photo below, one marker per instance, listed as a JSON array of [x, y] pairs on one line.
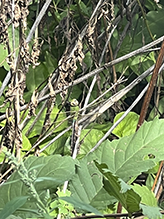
[[87, 182], [151, 212], [151, 5], [43, 179], [26, 142], [124, 186], [3, 56], [127, 126], [36, 76], [47, 216], [103, 200], [89, 138], [59, 122], [128, 156], [52, 171], [14, 217], [40, 73], [147, 196], [102, 127], [84, 9], [159, 112], [12, 206], [121, 191], [155, 20], [81, 205], [50, 62], [86, 186], [145, 62], [36, 129], [56, 147], [88, 60]]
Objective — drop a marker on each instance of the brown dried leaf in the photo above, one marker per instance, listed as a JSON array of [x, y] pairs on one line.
[[35, 53], [9, 131], [33, 104], [68, 67], [3, 28], [90, 31], [17, 15]]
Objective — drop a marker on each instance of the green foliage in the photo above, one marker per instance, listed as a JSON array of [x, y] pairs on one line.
[[120, 190], [89, 138], [61, 119], [87, 182], [146, 60], [37, 175], [61, 207], [147, 196], [127, 126], [13, 217], [3, 56], [12, 206], [121, 155], [151, 212], [70, 44], [93, 182], [81, 206], [154, 112], [155, 25]]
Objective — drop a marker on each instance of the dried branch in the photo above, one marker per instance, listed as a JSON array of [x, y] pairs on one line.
[[151, 86]]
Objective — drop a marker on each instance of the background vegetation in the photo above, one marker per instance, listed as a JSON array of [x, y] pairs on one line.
[[64, 161]]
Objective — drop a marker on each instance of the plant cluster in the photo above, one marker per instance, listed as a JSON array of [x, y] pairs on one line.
[[71, 72]]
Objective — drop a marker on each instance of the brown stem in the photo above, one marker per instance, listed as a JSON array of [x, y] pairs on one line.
[[148, 97], [119, 209], [151, 87]]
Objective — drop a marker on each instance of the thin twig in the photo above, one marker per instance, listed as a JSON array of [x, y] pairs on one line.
[[107, 65], [126, 215], [119, 120], [90, 117], [100, 69], [38, 20], [117, 96]]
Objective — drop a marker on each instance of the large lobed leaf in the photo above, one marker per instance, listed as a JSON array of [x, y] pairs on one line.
[[86, 183], [87, 186], [128, 156], [125, 158]]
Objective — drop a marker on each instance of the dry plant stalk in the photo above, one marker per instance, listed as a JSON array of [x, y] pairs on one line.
[[19, 66], [68, 66]]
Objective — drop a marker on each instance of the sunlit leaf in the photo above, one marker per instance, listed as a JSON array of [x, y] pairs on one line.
[[127, 126], [128, 156]]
